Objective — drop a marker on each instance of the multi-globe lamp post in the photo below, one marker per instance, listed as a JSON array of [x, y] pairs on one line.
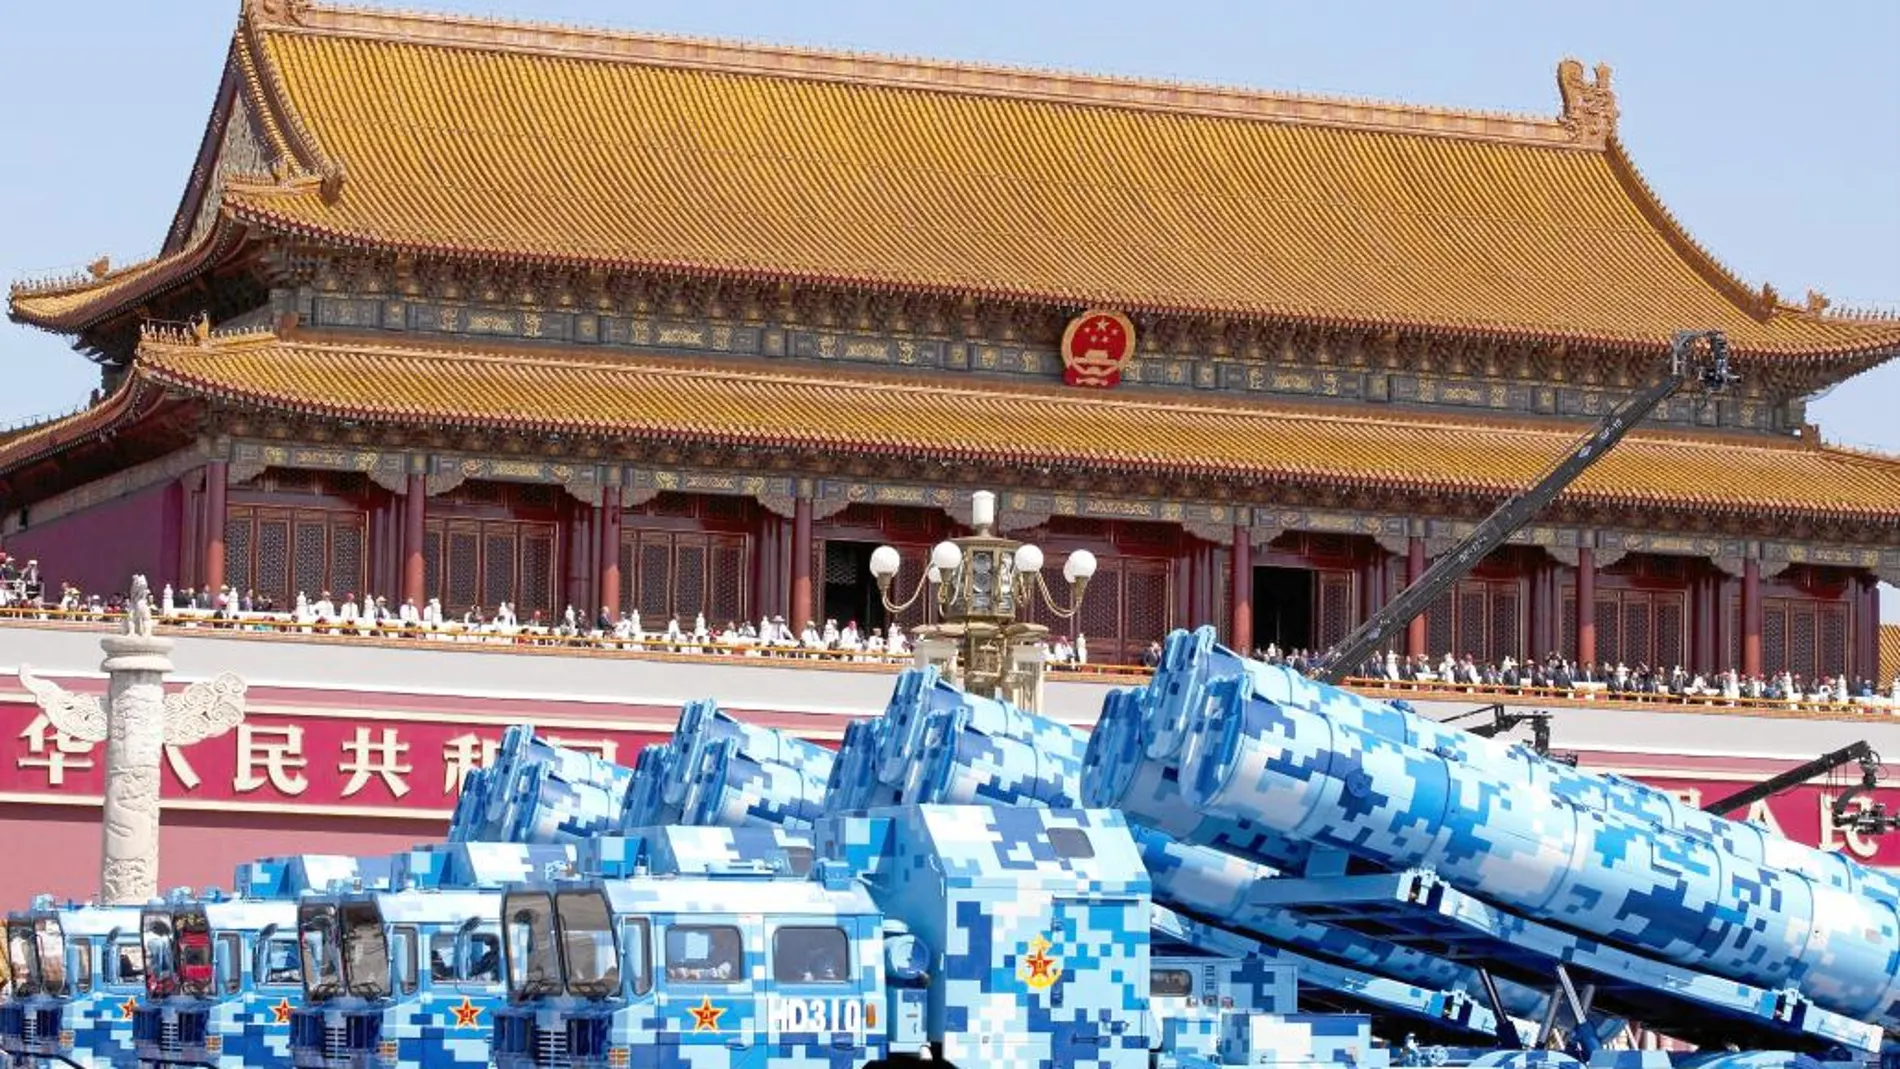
[[980, 582]]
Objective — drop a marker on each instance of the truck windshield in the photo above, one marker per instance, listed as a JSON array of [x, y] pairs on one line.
[[534, 960], [191, 951], [50, 949], [155, 942], [365, 951], [591, 955], [20, 958], [322, 953]]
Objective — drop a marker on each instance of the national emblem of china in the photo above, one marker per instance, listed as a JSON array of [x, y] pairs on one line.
[[1095, 348]]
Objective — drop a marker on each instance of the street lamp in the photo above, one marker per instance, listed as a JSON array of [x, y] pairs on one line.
[[980, 582]]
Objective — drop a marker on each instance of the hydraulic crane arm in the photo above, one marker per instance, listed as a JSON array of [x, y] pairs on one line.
[[1794, 777], [1685, 365]]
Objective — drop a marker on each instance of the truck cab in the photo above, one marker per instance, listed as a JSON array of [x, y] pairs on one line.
[[75, 970], [222, 973], [700, 952], [410, 976]]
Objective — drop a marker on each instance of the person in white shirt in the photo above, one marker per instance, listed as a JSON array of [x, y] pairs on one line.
[[349, 613], [673, 634], [409, 615], [325, 609]]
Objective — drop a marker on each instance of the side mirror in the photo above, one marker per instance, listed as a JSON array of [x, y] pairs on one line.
[[224, 970], [402, 963]]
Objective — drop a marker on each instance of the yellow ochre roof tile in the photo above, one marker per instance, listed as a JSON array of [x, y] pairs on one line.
[[547, 143], [867, 412]]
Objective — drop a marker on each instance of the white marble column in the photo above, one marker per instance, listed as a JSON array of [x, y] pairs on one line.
[[136, 722]]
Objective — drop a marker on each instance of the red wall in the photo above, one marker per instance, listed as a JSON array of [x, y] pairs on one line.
[[55, 849], [102, 547]]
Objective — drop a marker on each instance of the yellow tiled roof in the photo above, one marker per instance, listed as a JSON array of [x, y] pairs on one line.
[[455, 135], [768, 407], [1889, 652]]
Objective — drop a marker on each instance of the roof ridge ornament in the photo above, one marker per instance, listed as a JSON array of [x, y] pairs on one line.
[[273, 12], [1590, 111]]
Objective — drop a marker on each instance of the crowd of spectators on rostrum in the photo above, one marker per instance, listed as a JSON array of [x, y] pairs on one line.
[[375, 617], [1556, 673], [22, 589]]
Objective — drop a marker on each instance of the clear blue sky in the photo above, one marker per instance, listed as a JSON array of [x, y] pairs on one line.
[[1772, 130]]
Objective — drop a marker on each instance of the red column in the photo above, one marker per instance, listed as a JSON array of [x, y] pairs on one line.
[[1751, 617], [1586, 605], [191, 549], [610, 551], [801, 564], [1415, 567], [212, 526], [1240, 636], [415, 491]]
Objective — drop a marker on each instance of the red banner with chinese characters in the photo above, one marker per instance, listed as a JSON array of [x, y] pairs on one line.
[[318, 761], [410, 763]]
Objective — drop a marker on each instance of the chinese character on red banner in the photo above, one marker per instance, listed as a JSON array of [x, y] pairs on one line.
[[53, 751], [276, 750], [378, 758], [464, 754], [181, 768]]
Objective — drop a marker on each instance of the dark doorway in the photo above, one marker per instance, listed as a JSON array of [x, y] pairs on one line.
[[850, 593], [1283, 608]]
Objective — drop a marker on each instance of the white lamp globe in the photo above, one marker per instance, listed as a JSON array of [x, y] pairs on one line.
[[946, 556], [884, 562], [934, 574], [1080, 565], [982, 508], [1028, 559]]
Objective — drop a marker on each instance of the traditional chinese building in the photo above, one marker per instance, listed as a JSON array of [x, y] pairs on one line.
[[462, 309]]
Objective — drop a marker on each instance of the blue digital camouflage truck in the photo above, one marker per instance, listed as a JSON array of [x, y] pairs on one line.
[[75, 975], [410, 976]]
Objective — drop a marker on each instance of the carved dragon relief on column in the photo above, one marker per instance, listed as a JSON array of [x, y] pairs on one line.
[[137, 725]]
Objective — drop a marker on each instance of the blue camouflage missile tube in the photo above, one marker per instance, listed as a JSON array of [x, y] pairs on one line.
[[1311, 774]]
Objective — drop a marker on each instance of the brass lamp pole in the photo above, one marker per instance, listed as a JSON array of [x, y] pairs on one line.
[[980, 582]]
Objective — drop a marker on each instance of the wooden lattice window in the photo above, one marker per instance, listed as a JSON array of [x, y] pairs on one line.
[[1148, 603], [1609, 631], [1636, 636], [498, 567], [656, 579], [1438, 629], [346, 559], [1567, 627], [1335, 608], [1774, 640], [1669, 632], [237, 551], [1100, 618], [1732, 612], [462, 584], [1472, 629], [537, 569], [272, 578], [431, 560], [1507, 634], [1831, 656], [728, 581], [311, 555], [1801, 631]]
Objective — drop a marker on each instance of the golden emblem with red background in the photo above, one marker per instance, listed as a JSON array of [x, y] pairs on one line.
[[1095, 348]]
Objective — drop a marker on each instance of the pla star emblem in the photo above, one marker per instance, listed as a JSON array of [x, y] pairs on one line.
[[128, 1009], [280, 1013], [706, 1015], [467, 1015], [1039, 970]]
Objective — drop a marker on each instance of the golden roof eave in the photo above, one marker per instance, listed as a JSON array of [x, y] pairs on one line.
[[770, 407], [724, 160]]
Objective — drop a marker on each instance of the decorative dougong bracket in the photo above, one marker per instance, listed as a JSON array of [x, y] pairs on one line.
[[136, 722]]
